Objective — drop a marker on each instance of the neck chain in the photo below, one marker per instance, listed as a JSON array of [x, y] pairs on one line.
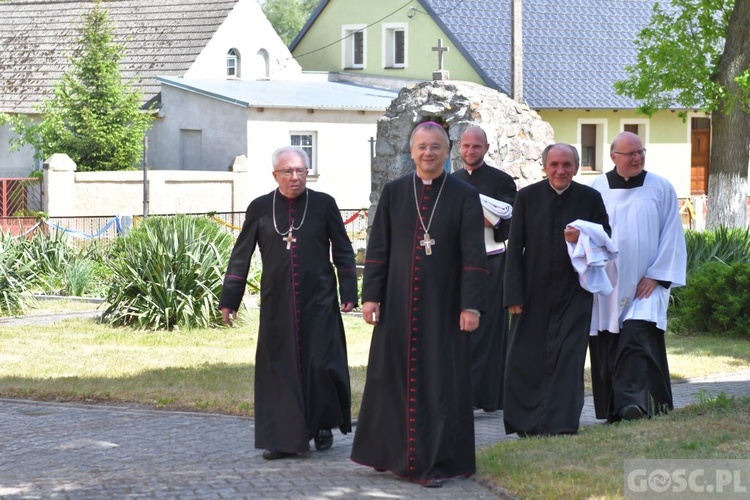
[[287, 235], [426, 241]]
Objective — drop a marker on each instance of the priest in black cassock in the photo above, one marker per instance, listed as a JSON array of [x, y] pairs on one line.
[[425, 283], [301, 369], [490, 340], [550, 310]]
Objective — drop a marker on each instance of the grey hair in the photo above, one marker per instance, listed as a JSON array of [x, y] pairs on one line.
[[571, 148], [430, 126], [301, 153]]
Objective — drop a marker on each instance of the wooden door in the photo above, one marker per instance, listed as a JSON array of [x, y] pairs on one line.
[[700, 140]]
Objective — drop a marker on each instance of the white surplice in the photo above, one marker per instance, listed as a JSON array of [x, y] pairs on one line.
[[648, 233]]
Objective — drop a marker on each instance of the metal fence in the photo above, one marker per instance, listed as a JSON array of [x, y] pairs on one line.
[[20, 196], [355, 223], [107, 228]]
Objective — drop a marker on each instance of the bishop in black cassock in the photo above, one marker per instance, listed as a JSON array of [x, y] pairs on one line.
[[301, 368], [416, 418], [549, 337]]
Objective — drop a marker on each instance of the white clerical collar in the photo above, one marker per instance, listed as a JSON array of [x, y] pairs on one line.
[[428, 182], [559, 191]]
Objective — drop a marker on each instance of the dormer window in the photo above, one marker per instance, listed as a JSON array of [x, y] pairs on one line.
[[233, 63]]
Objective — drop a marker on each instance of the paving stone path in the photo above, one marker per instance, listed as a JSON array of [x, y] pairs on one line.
[[72, 451]]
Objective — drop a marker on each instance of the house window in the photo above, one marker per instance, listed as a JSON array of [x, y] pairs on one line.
[[394, 45], [637, 126], [233, 63], [593, 149], [306, 141], [354, 47]]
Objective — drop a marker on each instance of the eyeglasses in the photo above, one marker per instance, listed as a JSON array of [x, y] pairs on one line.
[[289, 172], [434, 148], [631, 155]]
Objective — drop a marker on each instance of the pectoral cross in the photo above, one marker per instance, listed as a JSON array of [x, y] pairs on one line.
[[427, 243], [289, 239]]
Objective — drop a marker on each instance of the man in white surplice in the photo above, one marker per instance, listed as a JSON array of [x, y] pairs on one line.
[[629, 366]]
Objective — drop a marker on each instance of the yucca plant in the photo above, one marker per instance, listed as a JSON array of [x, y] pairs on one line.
[[50, 254], [168, 273], [77, 277], [15, 276], [726, 245]]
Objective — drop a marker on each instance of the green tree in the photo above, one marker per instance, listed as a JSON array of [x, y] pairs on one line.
[[695, 54], [288, 16], [94, 117]]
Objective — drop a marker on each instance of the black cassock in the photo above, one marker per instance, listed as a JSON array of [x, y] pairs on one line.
[[489, 342], [301, 369], [416, 418], [548, 341]]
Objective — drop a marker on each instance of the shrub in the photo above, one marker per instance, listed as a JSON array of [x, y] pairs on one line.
[[15, 275], [715, 301], [727, 245], [167, 273], [77, 277], [50, 256]]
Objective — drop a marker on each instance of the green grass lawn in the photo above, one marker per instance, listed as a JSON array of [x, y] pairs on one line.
[[212, 370]]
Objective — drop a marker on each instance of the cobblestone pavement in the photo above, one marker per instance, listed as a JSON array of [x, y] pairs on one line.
[[70, 451]]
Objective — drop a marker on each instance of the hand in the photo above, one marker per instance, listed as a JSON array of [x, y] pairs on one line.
[[487, 223], [645, 287], [228, 315], [371, 312], [571, 234], [347, 307], [469, 321], [515, 309]]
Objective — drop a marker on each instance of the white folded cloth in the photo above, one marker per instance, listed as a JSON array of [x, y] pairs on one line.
[[494, 211], [589, 255]]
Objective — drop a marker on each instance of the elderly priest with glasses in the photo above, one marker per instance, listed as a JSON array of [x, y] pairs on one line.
[[301, 370], [629, 369]]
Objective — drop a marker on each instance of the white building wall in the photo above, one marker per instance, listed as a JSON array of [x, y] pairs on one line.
[[248, 30], [78, 194], [343, 150]]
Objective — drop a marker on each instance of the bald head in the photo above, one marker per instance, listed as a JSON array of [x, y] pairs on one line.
[[624, 137], [628, 154], [473, 147]]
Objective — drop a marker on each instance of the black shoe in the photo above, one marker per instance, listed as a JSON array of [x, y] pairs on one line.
[[378, 469], [323, 439], [631, 412], [275, 455], [433, 483]]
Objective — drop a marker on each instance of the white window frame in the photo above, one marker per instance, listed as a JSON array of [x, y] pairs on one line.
[[311, 149], [601, 152], [389, 44], [233, 63], [348, 48], [643, 127]]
